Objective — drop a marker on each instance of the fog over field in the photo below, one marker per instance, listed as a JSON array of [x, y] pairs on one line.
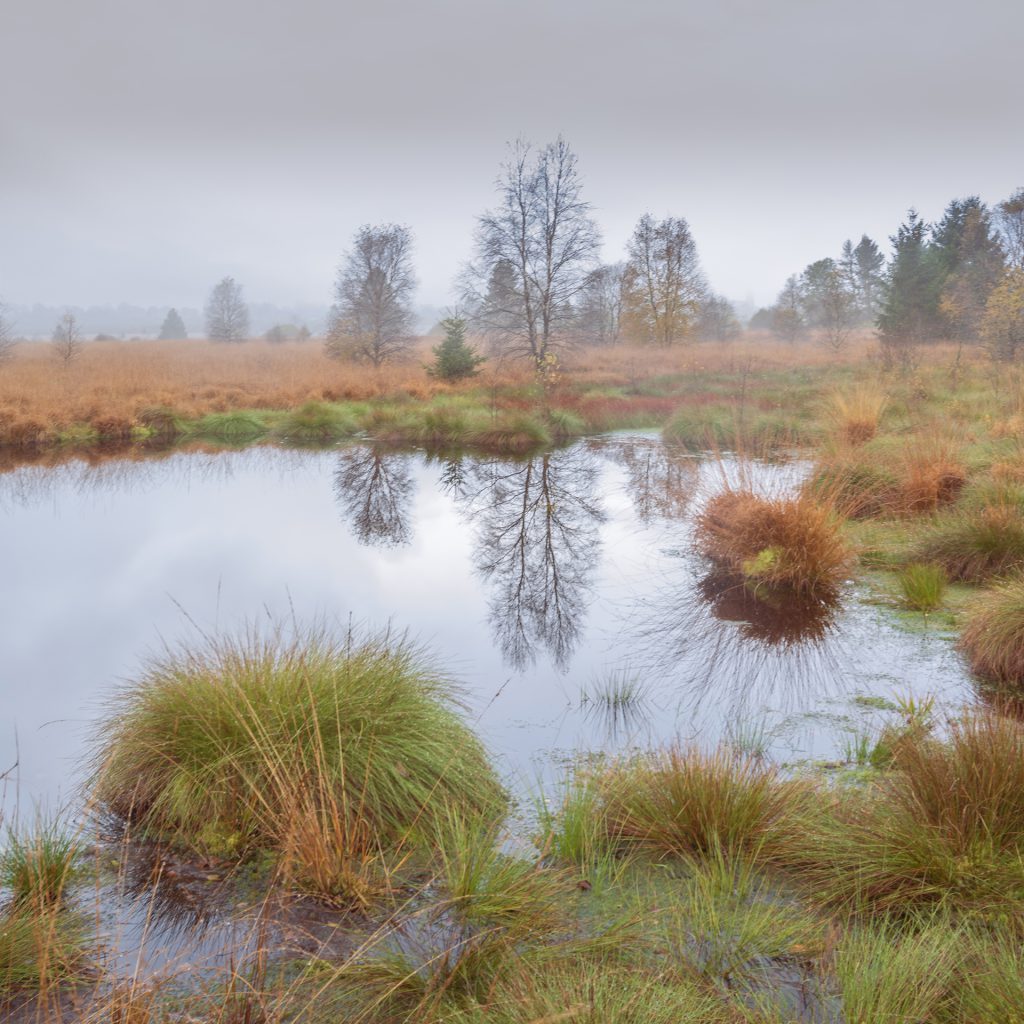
[[149, 149]]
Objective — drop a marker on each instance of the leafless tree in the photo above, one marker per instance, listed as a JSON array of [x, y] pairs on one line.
[[664, 285], [227, 316], [372, 317], [1009, 216], [600, 305], [6, 337], [533, 253], [67, 339], [375, 489]]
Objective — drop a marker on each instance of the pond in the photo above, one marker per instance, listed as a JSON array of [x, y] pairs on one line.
[[562, 591]]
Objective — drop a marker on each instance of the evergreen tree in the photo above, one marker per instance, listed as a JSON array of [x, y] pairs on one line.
[[970, 263], [869, 278], [173, 327], [910, 309], [454, 358]]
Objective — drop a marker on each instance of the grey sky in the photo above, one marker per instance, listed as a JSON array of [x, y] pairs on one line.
[[149, 148]]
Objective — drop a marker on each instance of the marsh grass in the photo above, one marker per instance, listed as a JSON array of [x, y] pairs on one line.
[[732, 927], [922, 586], [316, 423], [789, 543], [855, 414], [39, 862], [993, 633], [886, 972], [975, 545], [944, 826], [39, 947], [331, 753], [685, 802]]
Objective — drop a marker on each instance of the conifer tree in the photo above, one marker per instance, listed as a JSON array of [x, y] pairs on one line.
[[173, 327], [454, 358]]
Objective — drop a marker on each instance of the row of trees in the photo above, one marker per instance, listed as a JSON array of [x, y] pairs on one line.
[[535, 282], [959, 278]]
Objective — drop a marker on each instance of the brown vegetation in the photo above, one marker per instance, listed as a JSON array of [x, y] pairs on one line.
[[788, 543]]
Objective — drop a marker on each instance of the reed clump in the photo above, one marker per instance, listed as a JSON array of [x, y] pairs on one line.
[[993, 633], [39, 863], [943, 826], [855, 414], [789, 543], [922, 586], [333, 754], [973, 545], [685, 802]]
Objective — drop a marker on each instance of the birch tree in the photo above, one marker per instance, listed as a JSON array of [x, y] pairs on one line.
[[533, 253]]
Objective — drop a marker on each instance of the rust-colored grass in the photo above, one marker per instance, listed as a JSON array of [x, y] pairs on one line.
[[791, 543]]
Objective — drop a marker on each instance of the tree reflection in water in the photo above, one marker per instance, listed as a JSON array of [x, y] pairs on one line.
[[375, 489], [715, 639], [661, 480], [537, 543]]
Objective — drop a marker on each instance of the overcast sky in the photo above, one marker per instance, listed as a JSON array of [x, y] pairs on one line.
[[149, 148]]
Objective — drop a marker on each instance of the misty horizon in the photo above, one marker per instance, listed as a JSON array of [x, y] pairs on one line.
[[161, 150]]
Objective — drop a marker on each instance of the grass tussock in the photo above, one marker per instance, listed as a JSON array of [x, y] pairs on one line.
[[332, 754], [975, 545], [993, 633], [787, 543], [942, 827], [684, 802], [922, 586], [855, 415], [39, 863]]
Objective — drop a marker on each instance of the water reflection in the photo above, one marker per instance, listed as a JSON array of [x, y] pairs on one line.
[[661, 480], [375, 490], [537, 538], [768, 617]]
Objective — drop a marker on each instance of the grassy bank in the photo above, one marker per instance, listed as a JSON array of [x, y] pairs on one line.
[[672, 885]]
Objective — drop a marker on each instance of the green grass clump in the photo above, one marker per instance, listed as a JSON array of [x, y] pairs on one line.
[[316, 423], [236, 427], [973, 546], [993, 633], [731, 927], [890, 973], [922, 586], [330, 753], [38, 948], [38, 864]]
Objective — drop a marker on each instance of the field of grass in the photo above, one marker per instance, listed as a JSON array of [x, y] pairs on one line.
[[670, 885]]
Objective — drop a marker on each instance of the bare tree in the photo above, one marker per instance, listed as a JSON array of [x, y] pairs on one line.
[[67, 339], [6, 337], [372, 317], [533, 253], [227, 316], [1009, 216], [600, 305], [664, 284]]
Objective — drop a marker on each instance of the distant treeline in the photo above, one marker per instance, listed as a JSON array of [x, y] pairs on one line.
[[961, 278], [535, 283]]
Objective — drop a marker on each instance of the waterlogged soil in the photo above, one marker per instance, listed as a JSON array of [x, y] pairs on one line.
[[544, 585]]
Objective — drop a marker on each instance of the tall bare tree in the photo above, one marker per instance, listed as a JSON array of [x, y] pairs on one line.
[[1009, 216], [6, 336], [227, 315], [600, 305], [664, 282], [533, 253], [67, 339], [372, 317]]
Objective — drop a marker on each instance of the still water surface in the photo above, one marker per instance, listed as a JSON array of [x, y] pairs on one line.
[[534, 582]]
